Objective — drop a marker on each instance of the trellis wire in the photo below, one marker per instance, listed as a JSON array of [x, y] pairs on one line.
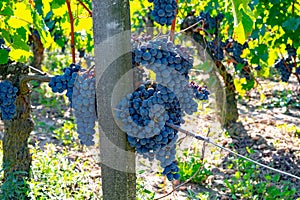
[[206, 139]]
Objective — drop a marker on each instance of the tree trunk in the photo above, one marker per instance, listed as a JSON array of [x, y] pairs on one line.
[[113, 59]]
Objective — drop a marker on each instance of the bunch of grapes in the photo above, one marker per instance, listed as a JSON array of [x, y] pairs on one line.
[[210, 23], [285, 65], [171, 63], [84, 105], [164, 11], [235, 50], [200, 93], [216, 48], [291, 50], [285, 69], [60, 83], [144, 115], [297, 70], [8, 95]]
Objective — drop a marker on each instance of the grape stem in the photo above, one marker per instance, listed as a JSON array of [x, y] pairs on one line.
[[86, 8], [72, 30], [191, 26], [172, 32]]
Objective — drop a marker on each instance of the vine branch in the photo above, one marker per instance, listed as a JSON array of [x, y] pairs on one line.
[[86, 8], [26, 78], [172, 32], [72, 30]]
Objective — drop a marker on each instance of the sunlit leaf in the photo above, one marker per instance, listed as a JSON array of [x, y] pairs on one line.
[[3, 56]]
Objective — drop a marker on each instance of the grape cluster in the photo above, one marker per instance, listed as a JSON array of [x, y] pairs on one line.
[[200, 93], [171, 64], [235, 50], [291, 50], [144, 114], [84, 105], [164, 11], [8, 95], [285, 65], [285, 69], [60, 83], [297, 70], [216, 48], [210, 23]]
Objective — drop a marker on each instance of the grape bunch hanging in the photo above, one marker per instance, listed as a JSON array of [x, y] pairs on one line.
[[8, 95], [81, 88], [84, 105], [285, 65], [164, 11], [146, 113], [60, 83]]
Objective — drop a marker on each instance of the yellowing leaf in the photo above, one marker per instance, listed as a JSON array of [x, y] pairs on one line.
[[17, 54], [23, 12], [16, 23], [46, 7], [238, 83], [84, 24], [59, 12], [48, 41], [66, 27], [239, 33], [262, 97]]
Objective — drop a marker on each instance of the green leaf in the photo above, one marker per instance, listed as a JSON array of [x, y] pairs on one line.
[[5, 34], [19, 43], [237, 5], [22, 32], [7, 11], [247, 23], [3, 56], [57, 3], [239, 67], [248, 85], [291, 24]]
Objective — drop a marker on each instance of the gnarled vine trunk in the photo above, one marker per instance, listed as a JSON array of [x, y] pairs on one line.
[[16, 155], [226, 99]]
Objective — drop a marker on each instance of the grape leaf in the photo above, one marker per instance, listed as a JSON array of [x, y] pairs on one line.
[[291, 24], [3, 56], [248, 85]]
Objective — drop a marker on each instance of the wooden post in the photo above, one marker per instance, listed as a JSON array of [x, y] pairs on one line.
[[111, 23]]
